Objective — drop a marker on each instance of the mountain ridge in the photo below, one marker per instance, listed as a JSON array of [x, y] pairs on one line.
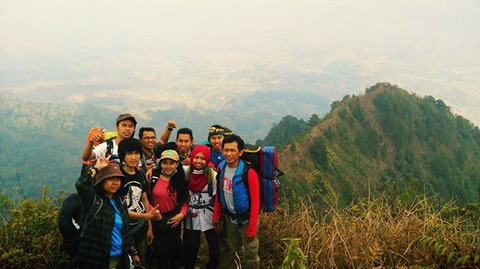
[[387, 137]]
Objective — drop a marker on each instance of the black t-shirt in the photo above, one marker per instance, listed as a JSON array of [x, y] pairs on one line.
[[135, 186]]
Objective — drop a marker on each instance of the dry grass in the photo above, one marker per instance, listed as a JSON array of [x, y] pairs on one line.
[[375, 234]]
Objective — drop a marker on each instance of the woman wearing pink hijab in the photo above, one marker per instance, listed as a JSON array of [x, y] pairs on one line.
[[202, 187]]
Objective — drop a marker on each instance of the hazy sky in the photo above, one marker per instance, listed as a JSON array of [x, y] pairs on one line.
[[75, 50]]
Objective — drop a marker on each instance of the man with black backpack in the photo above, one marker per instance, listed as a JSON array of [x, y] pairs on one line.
[[125, 126], [239, 200]]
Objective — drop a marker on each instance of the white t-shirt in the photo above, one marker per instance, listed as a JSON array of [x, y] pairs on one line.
[[100, 149]]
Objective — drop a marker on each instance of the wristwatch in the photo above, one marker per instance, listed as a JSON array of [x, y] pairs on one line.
[[91, 170]]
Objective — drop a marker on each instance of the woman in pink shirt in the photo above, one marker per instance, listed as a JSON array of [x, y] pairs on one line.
[[169, 190]]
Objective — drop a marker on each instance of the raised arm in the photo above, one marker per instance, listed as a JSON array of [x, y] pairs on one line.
[[168, 131], [95, 135]]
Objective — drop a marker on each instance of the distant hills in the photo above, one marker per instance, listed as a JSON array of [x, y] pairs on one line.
[[41, 142], [387, 140]]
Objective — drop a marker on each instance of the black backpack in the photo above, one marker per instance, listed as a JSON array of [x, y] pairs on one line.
[[70, 222]]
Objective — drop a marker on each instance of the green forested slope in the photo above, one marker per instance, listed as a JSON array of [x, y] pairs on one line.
[[41, 143], [386, 139]]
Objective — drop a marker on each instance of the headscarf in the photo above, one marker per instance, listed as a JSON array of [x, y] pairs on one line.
[[199, 178]]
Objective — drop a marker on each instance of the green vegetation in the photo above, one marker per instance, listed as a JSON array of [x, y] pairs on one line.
[[294, 258], [284, 132], [288, 130], [42, 142], [386, 137], [29, 235], [383, 232], [392, 231], [364, 187]]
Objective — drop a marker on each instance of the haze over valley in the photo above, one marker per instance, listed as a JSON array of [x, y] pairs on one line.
[[162, 55]]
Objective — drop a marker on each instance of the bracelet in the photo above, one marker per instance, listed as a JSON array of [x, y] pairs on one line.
[[170, 128], [132, 252]]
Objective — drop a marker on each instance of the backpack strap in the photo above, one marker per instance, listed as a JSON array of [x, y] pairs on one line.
[[246, 167], [109, 150], [278, 173], [187, 173], [210, 179], [151, 185], [94, 209], [142, 175]]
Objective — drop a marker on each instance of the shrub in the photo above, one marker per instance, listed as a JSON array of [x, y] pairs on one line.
[[29, 235], [376, 233]]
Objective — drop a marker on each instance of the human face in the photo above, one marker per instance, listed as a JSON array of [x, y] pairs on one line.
[[111, 185], [216, 141], [168, 166], [148, 140], [199, 161], [184, 143], [125, 128], [131, 159], [231, 153]]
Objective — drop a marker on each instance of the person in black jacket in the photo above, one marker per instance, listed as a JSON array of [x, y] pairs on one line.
[[105, 239]]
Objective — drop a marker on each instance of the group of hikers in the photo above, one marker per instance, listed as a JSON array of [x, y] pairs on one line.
[[150, 194]]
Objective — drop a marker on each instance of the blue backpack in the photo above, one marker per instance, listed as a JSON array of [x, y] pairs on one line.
[[264, 161]]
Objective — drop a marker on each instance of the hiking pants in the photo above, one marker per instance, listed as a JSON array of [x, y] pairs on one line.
[[167, 247], [191, 243], [141, 246], [246, 253]]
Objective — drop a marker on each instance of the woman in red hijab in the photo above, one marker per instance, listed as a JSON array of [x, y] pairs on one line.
[[202, 187]]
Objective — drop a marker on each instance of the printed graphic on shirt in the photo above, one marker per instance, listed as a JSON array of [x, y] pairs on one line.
[[227, 185], [198, 202], [133, 199]]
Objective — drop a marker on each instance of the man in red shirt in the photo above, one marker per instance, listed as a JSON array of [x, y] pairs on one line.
[[239, 201]]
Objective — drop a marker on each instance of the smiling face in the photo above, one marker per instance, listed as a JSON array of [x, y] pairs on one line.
[[199, 161], [148, 140], [168, 166], [111, 185], [184, 142], [131, 159], [231, 153], [125, 128], [216, 142]]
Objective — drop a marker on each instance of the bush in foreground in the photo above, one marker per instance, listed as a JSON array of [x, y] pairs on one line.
[[377, 234], [372, 233], [29, 237]]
